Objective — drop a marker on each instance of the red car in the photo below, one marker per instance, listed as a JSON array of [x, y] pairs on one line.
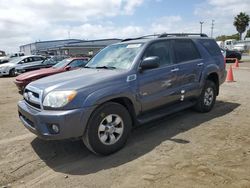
[[64, 65]]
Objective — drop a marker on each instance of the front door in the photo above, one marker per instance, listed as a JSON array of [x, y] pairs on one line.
[[156, 87]]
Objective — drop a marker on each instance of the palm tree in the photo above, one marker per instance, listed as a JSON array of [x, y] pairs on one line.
[[241, 21]]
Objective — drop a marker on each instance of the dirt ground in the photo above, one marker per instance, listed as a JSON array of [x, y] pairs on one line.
[[187, 149]]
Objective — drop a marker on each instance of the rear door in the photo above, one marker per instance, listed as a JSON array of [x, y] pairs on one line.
[[34, 63], [157, 86], [190, 66], [215, 55]]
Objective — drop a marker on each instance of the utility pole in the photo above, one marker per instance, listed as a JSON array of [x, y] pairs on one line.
[[212, 28], [201, 26], [69, 34]]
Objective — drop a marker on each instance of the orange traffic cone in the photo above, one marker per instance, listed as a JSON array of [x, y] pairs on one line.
[[230, 76], [236, 64]]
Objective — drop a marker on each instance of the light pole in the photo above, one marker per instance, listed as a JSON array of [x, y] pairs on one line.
[[201, 26], [212, 28], [69, 34]]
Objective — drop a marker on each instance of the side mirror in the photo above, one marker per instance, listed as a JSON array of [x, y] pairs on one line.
[[150, 63], [67, 68]]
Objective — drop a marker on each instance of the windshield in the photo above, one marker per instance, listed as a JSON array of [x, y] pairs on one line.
[[15, 60], [62, 63], [119, 56], [53, 60]]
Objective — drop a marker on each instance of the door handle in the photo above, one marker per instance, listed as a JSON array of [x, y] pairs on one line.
[[200, 64], [175, 70]]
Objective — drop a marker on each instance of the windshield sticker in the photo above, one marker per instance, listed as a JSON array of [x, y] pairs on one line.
[[133, 46]]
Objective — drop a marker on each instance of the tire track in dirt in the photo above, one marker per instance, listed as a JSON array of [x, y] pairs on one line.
[[17, 138]]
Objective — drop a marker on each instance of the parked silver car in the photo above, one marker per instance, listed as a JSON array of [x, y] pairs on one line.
[[19, 62]]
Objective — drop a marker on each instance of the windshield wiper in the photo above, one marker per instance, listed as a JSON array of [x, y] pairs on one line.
[[105, 67]]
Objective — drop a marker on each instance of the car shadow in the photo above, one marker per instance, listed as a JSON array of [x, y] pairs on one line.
[[72, 157]]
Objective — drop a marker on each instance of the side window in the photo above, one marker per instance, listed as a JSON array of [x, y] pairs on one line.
[[78, 63], [37, 58], [161, 50], [30, 59], [185, 50], [211, 46], [26, 60]]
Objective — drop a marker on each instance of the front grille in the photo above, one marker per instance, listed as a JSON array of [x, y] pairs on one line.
[[32, 97], [33, 104]]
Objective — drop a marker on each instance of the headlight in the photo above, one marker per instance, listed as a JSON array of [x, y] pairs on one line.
[[4, 67], [57, 99]]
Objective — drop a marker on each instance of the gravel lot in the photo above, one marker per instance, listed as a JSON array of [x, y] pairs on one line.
[[187, 149]]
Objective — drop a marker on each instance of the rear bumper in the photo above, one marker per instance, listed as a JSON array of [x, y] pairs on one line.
[[223, 77], [71, 123]]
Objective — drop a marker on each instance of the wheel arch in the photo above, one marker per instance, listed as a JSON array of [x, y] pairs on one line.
[[127, 103], [214, 78]]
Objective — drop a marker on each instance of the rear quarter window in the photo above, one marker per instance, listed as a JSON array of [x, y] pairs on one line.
[[211, 46], [185, 50]]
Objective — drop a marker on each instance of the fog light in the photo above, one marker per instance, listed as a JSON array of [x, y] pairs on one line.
[[55, 128]]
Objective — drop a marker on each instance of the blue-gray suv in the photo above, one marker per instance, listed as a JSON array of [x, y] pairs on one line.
[[129, 83]]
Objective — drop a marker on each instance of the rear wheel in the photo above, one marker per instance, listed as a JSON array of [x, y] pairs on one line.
[[108, 129], [207, 98]]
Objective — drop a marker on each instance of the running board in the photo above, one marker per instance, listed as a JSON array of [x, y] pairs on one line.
[[157, 114]]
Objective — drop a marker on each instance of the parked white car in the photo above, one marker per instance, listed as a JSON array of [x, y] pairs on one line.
[[240, 47], [3, 57], [18, 62]]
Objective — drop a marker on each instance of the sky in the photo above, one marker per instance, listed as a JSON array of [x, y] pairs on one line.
[[27, 21]]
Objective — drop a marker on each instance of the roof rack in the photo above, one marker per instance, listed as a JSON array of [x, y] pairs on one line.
[[142, 37], [182, 34], [166, 35]]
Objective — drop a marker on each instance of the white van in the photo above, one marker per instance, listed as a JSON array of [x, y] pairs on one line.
[[229, 44], [17, 54]]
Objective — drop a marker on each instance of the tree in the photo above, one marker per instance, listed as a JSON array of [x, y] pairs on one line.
[[248, 34], [241, 21], [225, 37]]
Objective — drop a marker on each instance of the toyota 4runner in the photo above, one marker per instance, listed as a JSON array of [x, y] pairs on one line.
[[133, 82]]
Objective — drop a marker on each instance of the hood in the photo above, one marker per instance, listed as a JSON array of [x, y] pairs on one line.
[[37, 73], [4, 57], [77, 79], [7, 64]]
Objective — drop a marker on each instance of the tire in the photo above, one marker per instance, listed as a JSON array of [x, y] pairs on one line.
[[103, 135], [12, 73], [207, 98]]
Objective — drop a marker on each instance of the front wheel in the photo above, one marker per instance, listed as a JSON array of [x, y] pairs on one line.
[[207, 98], [12, 73], [108, 129]]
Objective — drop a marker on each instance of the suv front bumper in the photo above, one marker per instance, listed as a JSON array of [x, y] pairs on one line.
[[71, 123]]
